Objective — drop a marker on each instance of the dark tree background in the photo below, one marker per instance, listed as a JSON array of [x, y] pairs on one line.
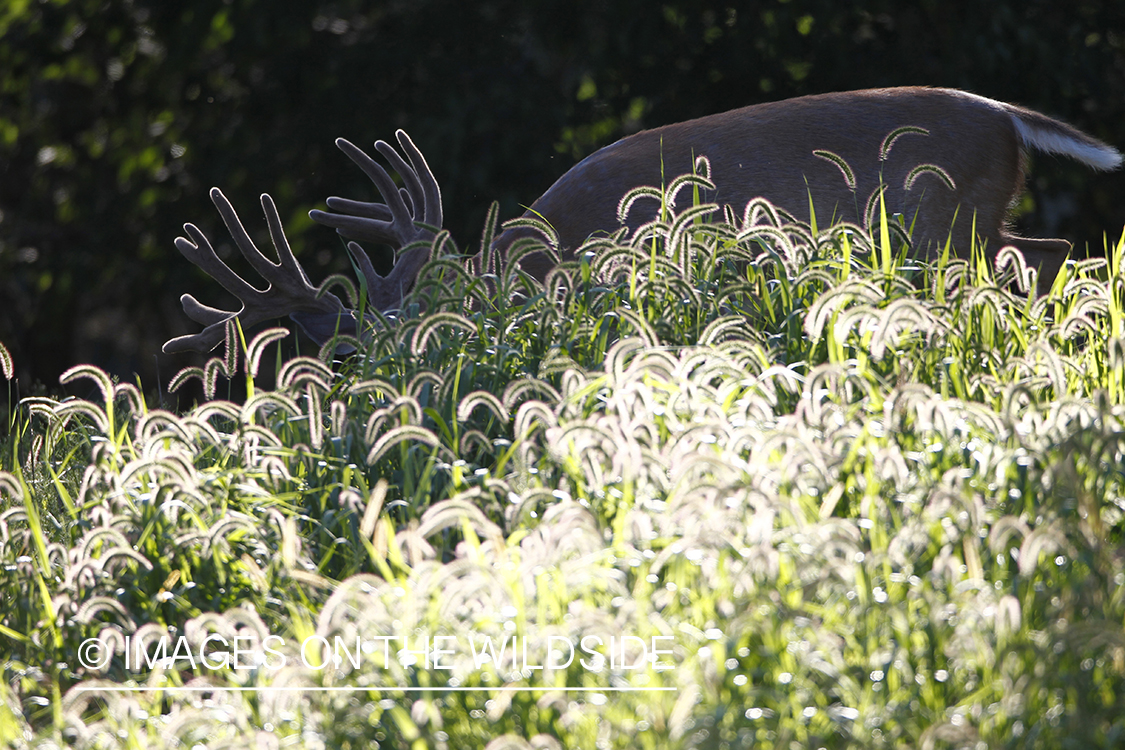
[[116, 116]]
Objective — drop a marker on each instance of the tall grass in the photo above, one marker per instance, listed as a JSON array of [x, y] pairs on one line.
[[862, 501]]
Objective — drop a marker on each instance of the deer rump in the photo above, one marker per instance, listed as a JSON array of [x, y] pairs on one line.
[[835, 149]]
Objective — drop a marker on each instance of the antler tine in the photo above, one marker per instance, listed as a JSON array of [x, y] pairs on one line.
[[348, 208], [406, 198], [425, 180], [289, 291], [405, 195], [199, 251], [394, 221], [370, 224], [263, 265]]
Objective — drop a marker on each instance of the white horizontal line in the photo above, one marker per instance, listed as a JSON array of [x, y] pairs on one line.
[[373, 688]]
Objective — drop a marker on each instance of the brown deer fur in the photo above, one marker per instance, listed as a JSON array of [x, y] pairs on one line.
[[767, 150]]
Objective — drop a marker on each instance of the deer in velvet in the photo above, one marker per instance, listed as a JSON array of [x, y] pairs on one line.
[[949, 160]]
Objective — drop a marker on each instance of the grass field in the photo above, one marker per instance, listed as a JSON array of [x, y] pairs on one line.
[[741, 483]]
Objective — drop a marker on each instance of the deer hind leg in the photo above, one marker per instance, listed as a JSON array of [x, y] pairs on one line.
[[1046, 255]]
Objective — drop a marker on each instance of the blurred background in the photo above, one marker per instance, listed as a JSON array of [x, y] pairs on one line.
[[117, 116]]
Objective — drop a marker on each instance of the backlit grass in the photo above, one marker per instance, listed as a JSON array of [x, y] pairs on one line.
[[853, 499]]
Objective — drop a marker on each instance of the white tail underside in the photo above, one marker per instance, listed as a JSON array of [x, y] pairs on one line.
[[1052, 142]]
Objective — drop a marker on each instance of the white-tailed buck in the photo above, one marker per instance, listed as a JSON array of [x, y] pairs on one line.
[[947, 159]]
